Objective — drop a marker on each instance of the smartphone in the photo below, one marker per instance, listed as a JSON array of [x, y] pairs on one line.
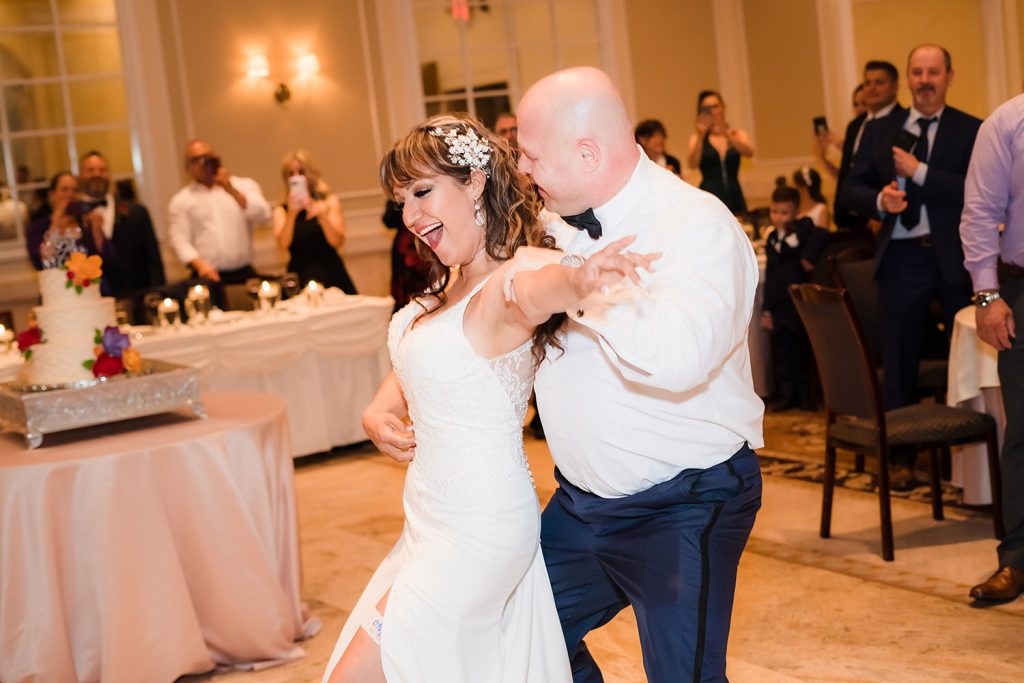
[[820, 125], [77, 208], [212, 164], [298, 190], [905, 140]]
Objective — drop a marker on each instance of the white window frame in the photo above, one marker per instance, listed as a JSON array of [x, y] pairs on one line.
[[14, 249]]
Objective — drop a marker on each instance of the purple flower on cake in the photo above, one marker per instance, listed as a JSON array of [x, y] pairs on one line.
[[114, 341]]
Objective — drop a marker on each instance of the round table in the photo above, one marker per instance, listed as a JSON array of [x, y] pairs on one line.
[[149, 549], [973, 382]]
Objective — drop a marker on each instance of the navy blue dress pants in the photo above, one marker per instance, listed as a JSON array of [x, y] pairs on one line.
[[670, 551]]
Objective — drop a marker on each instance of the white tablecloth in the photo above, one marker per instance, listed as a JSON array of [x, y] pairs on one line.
[[326, 363], [973, 383], [145, 550]]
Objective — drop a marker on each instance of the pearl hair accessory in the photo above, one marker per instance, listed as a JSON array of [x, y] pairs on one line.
[[465, 149]]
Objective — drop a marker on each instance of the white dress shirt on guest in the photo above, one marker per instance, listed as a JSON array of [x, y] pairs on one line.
[[661, 372], [207, 223]]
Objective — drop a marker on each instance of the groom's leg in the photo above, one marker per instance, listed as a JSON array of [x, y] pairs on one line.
[[678, 565], [585, 596]]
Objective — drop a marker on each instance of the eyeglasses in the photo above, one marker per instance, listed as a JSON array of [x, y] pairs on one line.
[[200, 158]]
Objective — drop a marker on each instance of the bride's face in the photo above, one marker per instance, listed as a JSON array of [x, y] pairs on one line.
[[438, 210]]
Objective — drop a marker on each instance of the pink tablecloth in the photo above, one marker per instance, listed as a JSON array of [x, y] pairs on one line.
[[143, 551]]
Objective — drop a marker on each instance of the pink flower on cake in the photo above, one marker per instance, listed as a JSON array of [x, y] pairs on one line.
[[83, 270], [107, 366]]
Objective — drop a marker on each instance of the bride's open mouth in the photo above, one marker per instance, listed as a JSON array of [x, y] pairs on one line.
[[431, 234]]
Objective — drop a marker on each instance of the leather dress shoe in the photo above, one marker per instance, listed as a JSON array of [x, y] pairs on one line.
[[901, 478], [1006, 584]]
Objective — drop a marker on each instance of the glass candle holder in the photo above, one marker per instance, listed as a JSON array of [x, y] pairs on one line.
[[197, 304], [269, 295], [168, 312], [314, 294]]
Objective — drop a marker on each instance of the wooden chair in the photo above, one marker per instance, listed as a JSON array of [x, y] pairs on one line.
[[855, 419]]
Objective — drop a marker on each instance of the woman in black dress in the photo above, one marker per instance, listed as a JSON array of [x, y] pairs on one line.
[[310, 224], [716, 148]]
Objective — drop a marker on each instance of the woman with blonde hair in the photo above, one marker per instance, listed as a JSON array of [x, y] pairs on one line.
[[464, 595], [310, 224]]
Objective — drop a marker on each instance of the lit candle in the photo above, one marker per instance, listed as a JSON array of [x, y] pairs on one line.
[[197, 304], [270, 292], [168, 311], [6, 336], [314, 294]]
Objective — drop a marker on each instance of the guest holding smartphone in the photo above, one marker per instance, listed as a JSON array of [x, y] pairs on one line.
[[716, 148], [310, 224]]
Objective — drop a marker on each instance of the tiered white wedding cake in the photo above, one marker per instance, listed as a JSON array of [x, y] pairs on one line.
[[75, 338]]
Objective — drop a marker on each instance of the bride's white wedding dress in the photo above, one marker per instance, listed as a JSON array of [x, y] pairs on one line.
[[470, 599]]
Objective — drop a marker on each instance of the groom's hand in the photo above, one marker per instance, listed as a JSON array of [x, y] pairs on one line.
[[390, 435]]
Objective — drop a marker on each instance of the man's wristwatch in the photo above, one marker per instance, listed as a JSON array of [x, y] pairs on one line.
[[571, 260], [984, 297]]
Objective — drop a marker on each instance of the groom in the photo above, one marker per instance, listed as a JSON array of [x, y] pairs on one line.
[[650, 412]]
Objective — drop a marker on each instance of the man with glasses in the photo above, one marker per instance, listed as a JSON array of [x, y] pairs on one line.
[[211, 218]]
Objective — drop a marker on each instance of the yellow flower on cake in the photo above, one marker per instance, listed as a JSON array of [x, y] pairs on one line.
[[131, 359], [83, 270]]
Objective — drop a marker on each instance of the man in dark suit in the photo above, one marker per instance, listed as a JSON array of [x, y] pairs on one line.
[[135, 263], [918, 195], [881, 85]]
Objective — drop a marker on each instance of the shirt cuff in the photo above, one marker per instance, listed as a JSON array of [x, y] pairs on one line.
[[878, 205], [920, 173]]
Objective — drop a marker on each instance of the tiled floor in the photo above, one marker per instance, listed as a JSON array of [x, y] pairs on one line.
[[806, 609]]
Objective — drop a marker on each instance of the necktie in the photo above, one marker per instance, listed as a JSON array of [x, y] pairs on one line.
[[585, 221], [911, 215]]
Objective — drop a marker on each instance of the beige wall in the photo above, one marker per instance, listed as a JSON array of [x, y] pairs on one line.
[[672, 47], [330, 115], [889, 29]]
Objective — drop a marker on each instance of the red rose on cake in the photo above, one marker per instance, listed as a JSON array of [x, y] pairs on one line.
[[114, 354], [28, 339]]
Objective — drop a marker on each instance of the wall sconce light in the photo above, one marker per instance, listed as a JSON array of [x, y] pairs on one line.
[[306, 67]]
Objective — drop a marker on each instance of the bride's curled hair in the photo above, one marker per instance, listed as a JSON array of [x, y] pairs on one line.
[[510, 207]]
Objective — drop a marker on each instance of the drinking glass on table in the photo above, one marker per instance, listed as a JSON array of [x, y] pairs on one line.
[[151, 302], [290, 285], [252, 289]]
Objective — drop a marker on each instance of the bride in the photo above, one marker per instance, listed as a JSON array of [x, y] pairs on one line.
[[464, 595]]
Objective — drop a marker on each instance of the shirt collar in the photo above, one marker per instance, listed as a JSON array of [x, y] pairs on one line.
[[915, 115], [615, 210], [884, 111]]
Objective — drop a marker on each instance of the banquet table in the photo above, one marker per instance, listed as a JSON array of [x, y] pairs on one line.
[[973, 382], [326, 363], [150, 549]]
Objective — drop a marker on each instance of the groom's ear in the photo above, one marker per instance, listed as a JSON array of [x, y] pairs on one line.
[[589, 154]]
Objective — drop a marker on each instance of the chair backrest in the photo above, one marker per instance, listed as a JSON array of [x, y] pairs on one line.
[[848, 377], [838, 242], [854, 271]]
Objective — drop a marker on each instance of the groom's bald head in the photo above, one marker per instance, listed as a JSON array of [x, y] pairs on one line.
[[576, 139]]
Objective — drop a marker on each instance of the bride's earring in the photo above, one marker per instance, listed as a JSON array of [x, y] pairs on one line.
[[479, 215]]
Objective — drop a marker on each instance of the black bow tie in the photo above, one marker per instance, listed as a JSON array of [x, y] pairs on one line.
[[585, 221]]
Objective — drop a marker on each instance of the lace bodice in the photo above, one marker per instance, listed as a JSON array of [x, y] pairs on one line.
[[460, 403]]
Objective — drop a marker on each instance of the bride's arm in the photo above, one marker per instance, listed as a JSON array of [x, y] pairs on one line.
[[554, 288], [382, 421]]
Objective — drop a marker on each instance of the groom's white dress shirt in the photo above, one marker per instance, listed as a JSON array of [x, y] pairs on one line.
[[655, 379]]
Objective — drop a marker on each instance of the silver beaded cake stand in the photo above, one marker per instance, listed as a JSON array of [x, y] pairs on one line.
[[159, 387]]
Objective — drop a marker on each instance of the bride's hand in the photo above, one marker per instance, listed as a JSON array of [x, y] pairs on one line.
[[390, 435], [610, 266]]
